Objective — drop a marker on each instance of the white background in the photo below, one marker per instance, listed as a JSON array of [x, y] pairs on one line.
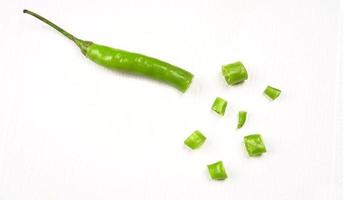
[[70, 129]]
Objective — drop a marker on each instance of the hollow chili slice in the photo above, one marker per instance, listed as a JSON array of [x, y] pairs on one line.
[[217, 171], [272, 92], [219, 106], [195, 140], [254, 145], [234, 73]]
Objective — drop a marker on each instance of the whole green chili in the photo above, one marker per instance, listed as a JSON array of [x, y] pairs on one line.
[[127, 61]]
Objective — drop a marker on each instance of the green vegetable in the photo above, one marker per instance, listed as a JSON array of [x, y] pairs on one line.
[[219, 106], [217, 171], [242, 115], [272, 92], [195, 140], [234, 73], [254, 145], [126, 61]]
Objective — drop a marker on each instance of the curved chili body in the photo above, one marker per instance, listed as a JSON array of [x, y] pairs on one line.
[[139, 64], [126, 61]]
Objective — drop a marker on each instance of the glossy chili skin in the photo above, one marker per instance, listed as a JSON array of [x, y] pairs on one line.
[[272, 93], [195, 140], [242, 115], [219, 106], [217, 171], [135, 63], [127, 61], [254, 145], [234, 73]]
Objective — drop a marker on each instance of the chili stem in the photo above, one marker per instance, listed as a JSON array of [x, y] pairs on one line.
[[80, 43], [59, 29]]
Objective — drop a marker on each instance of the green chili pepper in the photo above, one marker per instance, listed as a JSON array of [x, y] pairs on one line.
[[219, 106], [242, 115], [234, 73], [217, 171], [127, 61], [254, 145], [195, 140], [272, 92]]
